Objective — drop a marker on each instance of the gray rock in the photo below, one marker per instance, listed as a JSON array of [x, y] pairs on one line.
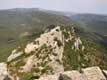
[[64, 77]]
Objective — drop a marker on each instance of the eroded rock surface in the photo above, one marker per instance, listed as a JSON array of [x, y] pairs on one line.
[[58, 54], [3, 71], [91, 73]]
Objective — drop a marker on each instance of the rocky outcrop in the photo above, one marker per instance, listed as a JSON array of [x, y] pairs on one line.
[[14, 55], [91, 73], [39, 56], [52, 56], [4, 75]]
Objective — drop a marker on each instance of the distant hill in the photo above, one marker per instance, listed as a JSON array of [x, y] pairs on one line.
[[93, 22]]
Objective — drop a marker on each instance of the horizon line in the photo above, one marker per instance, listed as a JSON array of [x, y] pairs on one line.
[[1, 9]]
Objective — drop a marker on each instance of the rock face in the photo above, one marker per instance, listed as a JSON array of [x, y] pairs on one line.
[[53, 56], [94, 73], [3, 71], [91, 73], [39, 56], [14, 55]]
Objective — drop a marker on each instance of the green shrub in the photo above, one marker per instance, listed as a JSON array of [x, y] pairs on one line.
[[58, 41], [71, 57]]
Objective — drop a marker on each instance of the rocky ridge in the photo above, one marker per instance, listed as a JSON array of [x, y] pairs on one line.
[[48, 58]]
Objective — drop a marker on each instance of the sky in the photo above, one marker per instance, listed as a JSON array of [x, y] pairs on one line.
[[78, 6]]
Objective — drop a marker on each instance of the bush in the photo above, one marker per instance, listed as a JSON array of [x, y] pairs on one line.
[[58, 41]]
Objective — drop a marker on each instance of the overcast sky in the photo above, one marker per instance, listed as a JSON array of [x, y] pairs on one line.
[[81, 6]]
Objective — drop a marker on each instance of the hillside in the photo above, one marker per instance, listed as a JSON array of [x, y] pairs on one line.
[[20, 25], [57, 51], [93, 22]]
